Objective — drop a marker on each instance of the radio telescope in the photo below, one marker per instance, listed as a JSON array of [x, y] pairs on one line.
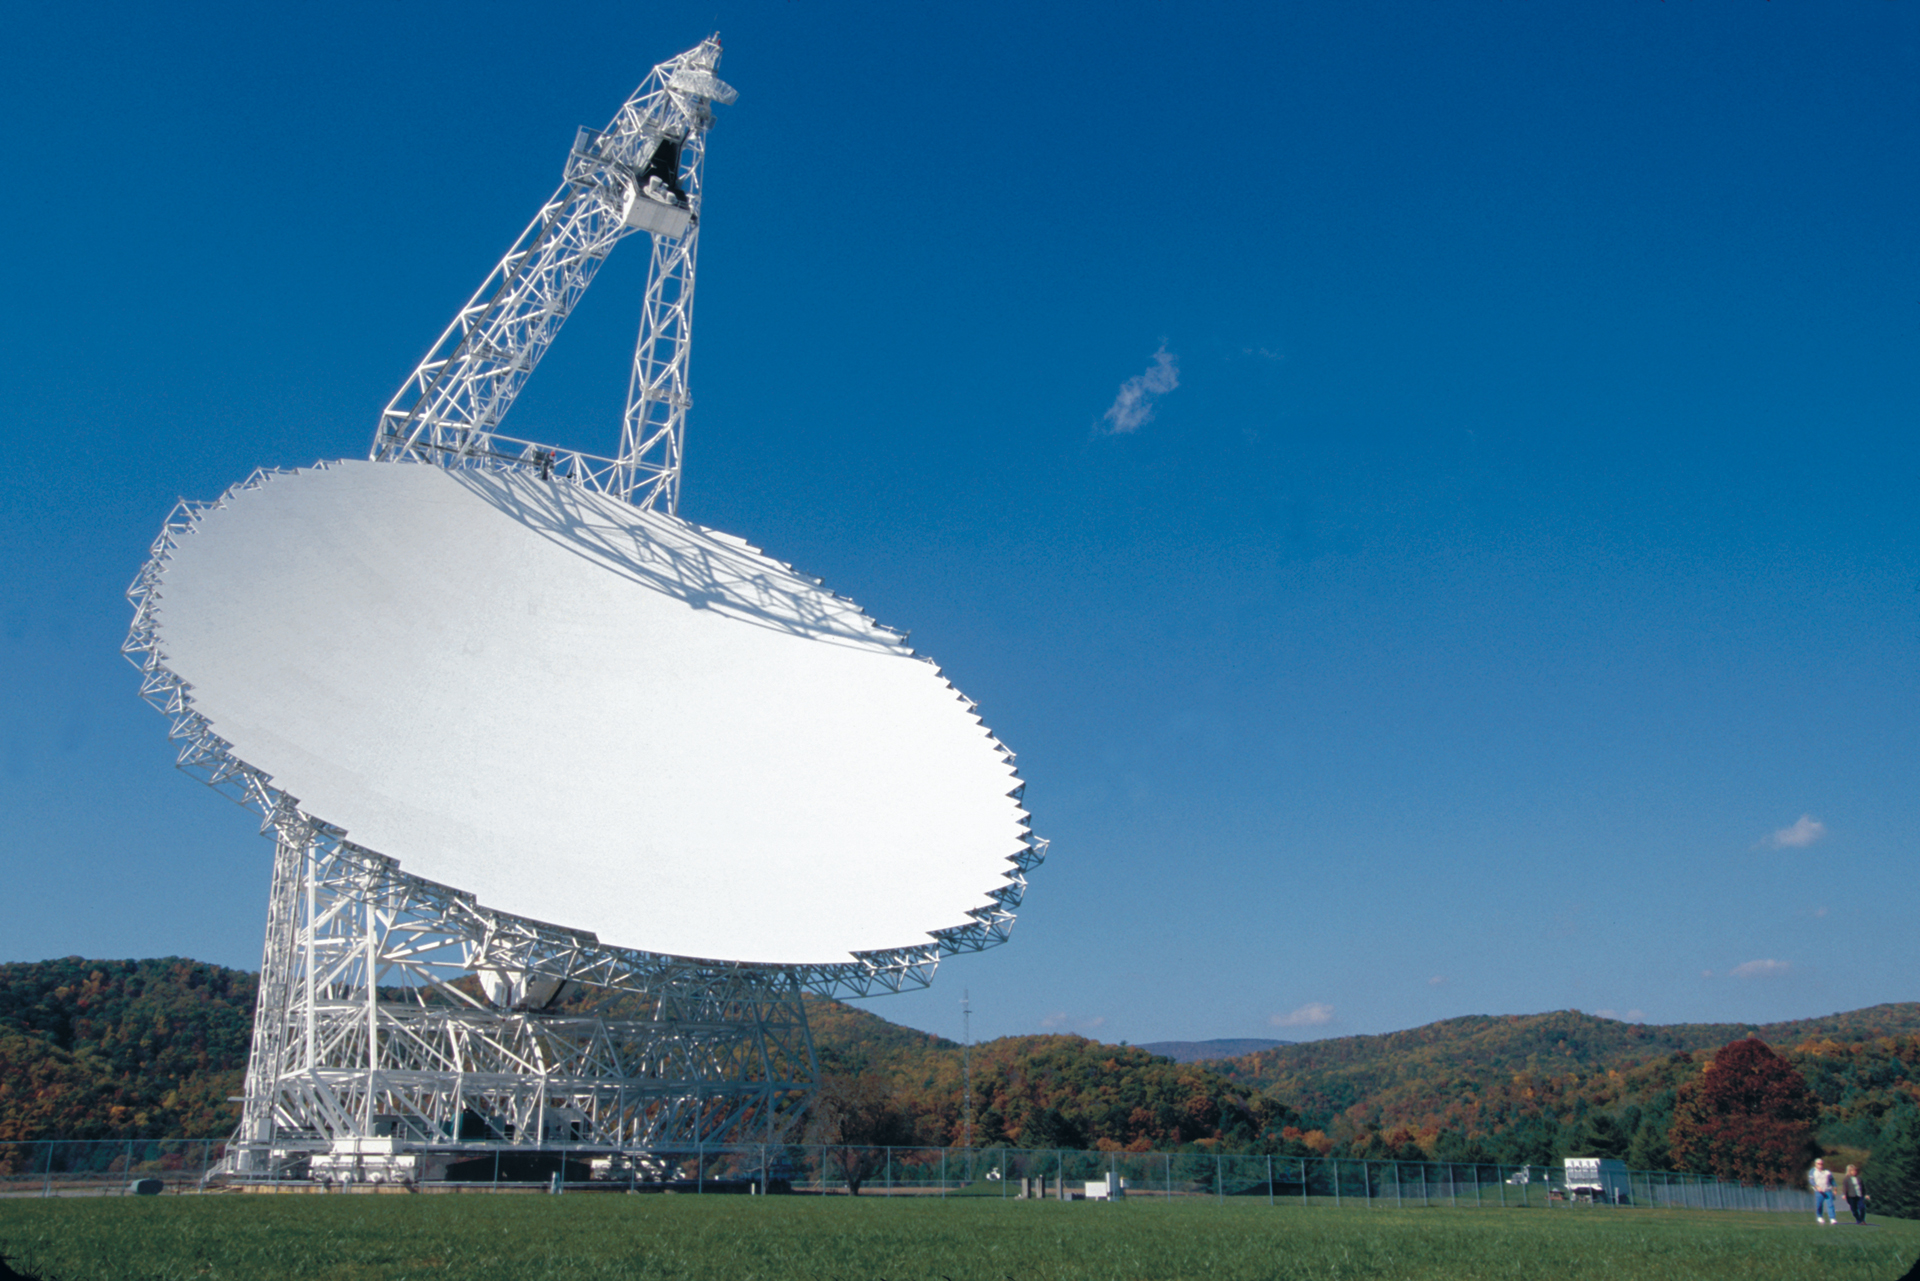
[[517, 727]]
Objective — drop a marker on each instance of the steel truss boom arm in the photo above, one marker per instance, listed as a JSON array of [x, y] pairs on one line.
[[640, 173]]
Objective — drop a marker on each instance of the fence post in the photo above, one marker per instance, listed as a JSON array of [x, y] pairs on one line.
[[1219, 1187], [1396, 1184], [47, 1189], [1336, 1183], [1168, 1159], [1304, 1203], [1269, 1178]]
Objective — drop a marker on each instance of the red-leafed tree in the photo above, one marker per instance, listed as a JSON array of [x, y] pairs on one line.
[[1749, 1117]]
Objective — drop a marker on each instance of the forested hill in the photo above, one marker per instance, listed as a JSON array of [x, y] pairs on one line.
[[110, 1049], [156, 1047], [1529, 1087], [1209, 1051], [1336, 1073]]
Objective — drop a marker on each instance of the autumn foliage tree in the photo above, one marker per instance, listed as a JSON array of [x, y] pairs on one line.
[[857, 1117], [1749, 1117]]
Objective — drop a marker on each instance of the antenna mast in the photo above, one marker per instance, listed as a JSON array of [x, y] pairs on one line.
[[966, 1066]]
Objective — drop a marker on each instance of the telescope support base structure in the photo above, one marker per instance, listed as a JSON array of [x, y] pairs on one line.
[[375, 1055]]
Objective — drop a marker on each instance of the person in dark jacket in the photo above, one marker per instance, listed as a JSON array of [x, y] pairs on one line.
[[1856, 1194]]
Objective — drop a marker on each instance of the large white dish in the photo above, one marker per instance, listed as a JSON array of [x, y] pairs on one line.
[[588, 715]]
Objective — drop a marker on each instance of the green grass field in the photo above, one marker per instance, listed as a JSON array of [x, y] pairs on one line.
[[534, 1238]]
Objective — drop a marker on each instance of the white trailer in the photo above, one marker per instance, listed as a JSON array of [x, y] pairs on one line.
[[1597, 1178]]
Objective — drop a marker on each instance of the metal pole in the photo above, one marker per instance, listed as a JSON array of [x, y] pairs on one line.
[[1396, 1185], [889, 1171], [943, 1174], [1336, 1183], [1303, 1183], [1219, 1188], [47, 1189], [1269, 1178], [1168, 1159]]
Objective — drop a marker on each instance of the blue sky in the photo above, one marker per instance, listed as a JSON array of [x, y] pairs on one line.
[[1504, 594]]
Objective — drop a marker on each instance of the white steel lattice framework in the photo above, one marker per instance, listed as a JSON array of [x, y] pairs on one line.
[[402, 1029], [641, 173]]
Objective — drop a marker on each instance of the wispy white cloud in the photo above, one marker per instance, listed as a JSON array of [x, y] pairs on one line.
[[1312, 1014], [1759, 970], [1438, 980], [1132, 408], [1805, 831], [1631, 1016]]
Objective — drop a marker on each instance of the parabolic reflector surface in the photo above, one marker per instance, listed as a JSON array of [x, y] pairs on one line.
[[589, 715]]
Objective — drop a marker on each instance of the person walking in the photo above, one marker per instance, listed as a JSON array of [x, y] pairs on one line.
[[1856, 1194], [1820, 1179]]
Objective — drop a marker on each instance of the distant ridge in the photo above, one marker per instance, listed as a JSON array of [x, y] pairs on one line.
[[1520, 1087], [1492, 1046], [1208, 1051]]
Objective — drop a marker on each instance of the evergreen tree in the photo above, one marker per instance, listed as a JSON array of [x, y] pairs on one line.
[[1749, 1117], [1648, 1149], [1602, 1136], [1893, 1175]]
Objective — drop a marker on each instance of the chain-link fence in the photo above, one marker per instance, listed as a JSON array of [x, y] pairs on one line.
[[119, 1166], [107, 1167]]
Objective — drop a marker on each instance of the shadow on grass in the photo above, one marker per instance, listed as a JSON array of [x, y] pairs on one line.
[[7, 1273]]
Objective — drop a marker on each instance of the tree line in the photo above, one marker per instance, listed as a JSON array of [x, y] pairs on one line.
[[155, 1048]]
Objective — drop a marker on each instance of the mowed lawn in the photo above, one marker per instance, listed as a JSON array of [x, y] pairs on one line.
[[732, 1238]]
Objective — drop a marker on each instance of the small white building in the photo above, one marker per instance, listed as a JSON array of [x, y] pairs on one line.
[[1597, 1178]]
